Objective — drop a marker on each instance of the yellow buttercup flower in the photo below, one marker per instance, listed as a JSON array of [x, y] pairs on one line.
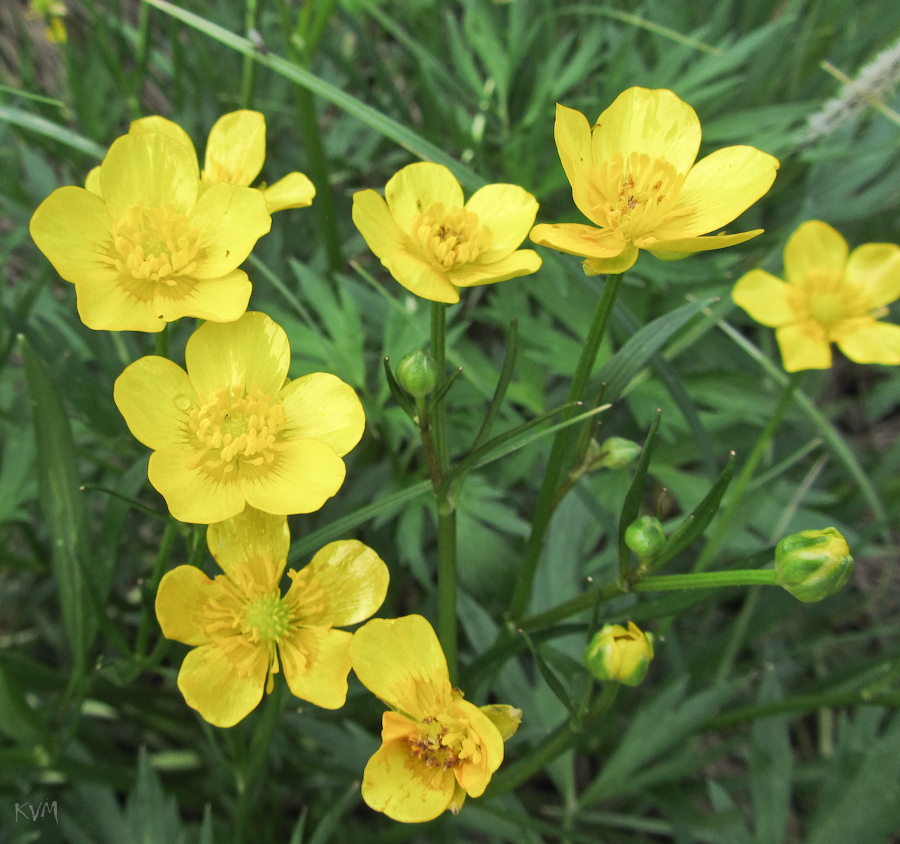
[[242, 628], [830, 296], [235, 153], [433, 243], [633, 175], [153, 247], [436, 747], [231, 431]]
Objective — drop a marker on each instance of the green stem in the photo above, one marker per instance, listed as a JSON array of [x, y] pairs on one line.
[[706, 580], [447, 627], [161, 342], [559, 741], [737, 635], [746, 475], [547, 499], [162, 560], [248, 77], [428, 446], [439, 353]]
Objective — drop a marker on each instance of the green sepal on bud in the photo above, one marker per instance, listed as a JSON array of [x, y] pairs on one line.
[[813, 564], [613, 453], [504, 717], [417, 373], [645, 537], [620, 654]]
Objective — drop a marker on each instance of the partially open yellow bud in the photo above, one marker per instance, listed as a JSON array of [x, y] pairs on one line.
[[813, 564], [619, 654]]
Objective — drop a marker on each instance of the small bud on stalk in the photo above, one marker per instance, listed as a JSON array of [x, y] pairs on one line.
[[614, 453], [417, 373], [619, 654], [813, 564], [645, 537]]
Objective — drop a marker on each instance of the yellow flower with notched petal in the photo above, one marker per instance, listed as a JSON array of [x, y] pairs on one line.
[[829, 296], [434, 244], [633, 175], [235, 152], [153, 247], [241, 625], [230, 431], [436, 747]]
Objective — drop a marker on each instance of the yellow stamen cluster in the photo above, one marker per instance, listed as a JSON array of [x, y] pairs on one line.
[[442, 742], [154, 244], [450, 239], [235, 423], [830, 300], [643, 199]]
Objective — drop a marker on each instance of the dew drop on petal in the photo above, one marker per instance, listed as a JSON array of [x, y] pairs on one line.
[[182, 402]]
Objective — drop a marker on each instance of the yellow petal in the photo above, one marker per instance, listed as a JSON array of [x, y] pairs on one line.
[[765, 298], [181, 603], [162, 126], [610, 266], [521, 262], [804, 346], [72, 227], [400, 661], [509, 212], [212, 685], [156, 397], [236, 148], [576, 239], [417, 186], [672, 250], [375, 223], [293, 191], [816, 251], [724, 185], [322, 407], [573, 142], [504, 717], [458, 799], [222, 299], [302, 478], [92, 181], [420, 277], [232, 219], [654, 122], [316, 662], [868, 341], [354, 579], [152, 169], [190, 493], [474, 777], [875, 268], [250, 535], [397, 783], [251, 350], [117, 304]]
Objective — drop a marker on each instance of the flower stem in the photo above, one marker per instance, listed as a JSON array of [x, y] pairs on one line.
[[248, 76], [746, 475], [706, 580], [162, 560], [439, 462], [547, 499]]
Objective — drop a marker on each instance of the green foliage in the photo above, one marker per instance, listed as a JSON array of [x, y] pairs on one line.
[[759, 722]]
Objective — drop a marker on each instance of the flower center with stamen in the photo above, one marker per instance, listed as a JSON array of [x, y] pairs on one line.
[[266, 618], [830, 300], [154, 244], [238, 425], [444, 741], [639, 195], [450, 239]]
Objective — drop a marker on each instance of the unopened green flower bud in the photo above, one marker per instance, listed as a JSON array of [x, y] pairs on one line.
[[645, 537], [619, 654], [417, 373], [813, 564], [614, 453]]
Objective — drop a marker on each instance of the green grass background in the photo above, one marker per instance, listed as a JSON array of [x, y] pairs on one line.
[[762, 720]]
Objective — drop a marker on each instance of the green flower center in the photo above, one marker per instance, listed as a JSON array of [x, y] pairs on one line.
[[238, 424], [155, 244], [450, 239], [266, 618]]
